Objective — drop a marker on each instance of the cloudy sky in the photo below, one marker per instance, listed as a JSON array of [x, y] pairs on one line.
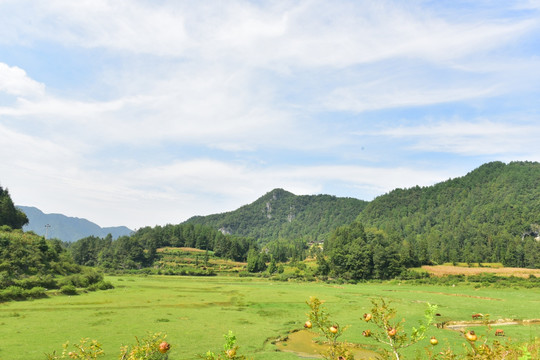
[[146, 112]]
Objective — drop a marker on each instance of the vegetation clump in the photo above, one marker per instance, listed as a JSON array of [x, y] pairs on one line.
[[31, 265]]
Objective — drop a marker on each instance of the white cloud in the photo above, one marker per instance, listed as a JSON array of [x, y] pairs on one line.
[[15, 81]]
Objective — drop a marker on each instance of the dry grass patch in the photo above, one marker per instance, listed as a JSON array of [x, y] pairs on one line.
[[187, 249], [442, 270]]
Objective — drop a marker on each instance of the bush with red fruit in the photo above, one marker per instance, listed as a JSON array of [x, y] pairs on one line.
[[384, 329], [230, 349], [151, 347], [319, 318], [86, 349]]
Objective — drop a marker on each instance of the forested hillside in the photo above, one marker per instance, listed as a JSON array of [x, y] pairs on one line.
[[281, 214], [489, 215], [29, 265]]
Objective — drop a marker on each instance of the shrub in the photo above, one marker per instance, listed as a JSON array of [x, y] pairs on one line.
[[12, 293], [102, 285], [68, 290], [105, 285], [36, 292]]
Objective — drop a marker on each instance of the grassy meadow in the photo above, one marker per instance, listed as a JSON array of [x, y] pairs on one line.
[[195, 312]]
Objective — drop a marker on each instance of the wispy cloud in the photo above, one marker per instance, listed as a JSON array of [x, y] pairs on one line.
[[507, 140]]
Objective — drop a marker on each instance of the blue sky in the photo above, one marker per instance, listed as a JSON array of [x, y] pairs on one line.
[[141, 113]]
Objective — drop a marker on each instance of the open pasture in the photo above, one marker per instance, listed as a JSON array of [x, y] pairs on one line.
[[195, 312]]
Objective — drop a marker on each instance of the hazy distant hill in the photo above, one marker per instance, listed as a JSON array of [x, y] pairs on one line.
[[490, 214], [280, 213], [67, 228]]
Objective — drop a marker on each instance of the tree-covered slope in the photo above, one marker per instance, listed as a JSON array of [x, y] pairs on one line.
[[491, 214], [281, 214], [29, 265]]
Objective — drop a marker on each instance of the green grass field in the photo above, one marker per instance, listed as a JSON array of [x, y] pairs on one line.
[[195, 312]]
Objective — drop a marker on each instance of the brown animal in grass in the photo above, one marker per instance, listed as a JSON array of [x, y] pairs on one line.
[[477, 316], [499, 332]]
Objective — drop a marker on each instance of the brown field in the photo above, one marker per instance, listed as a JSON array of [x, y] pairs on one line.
[[441, 270]]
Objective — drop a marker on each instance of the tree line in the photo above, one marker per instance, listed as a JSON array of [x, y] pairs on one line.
[[140, 249]]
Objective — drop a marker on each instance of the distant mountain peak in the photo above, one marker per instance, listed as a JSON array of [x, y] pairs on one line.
[[280, 213], [67, 228]]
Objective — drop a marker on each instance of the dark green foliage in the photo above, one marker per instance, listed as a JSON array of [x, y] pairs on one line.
[[283, 250], [272, 267], [82, 280], [9, 214], [281, 214], [256, 261], [355, 253], [489, 215]]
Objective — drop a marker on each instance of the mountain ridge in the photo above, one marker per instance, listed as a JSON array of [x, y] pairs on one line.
[[67, 228], [280, 213]]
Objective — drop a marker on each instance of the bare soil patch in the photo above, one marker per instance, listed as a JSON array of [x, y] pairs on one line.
[[442, 270], [303, 344]]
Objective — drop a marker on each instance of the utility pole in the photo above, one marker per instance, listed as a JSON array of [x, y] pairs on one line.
[[47, 230]]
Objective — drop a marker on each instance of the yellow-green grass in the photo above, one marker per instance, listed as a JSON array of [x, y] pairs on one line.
[[195, 312]]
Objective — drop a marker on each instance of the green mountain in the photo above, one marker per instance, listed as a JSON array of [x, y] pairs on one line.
[[281, 214], [489, 215]]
